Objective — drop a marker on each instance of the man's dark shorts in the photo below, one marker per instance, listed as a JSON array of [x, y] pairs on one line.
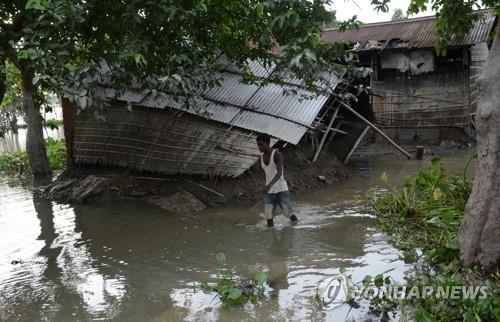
[[273, 200]]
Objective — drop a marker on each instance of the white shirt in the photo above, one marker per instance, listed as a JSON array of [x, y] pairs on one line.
[[271, 170]]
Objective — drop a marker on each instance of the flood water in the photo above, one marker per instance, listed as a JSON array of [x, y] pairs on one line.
[[130, 261]]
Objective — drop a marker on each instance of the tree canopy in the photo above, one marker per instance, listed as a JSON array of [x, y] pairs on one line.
[[167, 45]]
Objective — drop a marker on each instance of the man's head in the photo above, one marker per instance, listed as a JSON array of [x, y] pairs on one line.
[[263, 142]]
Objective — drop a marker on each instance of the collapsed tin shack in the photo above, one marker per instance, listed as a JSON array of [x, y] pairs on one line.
[[417, 95], [217, 138]]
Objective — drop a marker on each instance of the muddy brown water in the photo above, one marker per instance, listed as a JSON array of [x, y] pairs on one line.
[[130, 261]]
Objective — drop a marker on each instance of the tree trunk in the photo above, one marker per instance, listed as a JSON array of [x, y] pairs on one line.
[[479, 235], [69, 113], [35, 143]]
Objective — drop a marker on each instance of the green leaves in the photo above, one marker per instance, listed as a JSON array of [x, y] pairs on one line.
[[259, 10], [207, 289], [437, 199], [260, 278], [37, 5], [381, 5], [453, 244], [17, 163], [233, 290], [423, 316], [220, 258], [234, 293]]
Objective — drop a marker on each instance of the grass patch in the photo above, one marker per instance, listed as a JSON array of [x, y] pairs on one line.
[[425, 214]]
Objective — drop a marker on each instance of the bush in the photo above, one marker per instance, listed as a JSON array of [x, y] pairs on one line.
[[56, 152], [14, 163], [425, 214]]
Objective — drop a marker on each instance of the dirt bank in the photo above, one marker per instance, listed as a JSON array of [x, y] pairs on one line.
[[192, 193]]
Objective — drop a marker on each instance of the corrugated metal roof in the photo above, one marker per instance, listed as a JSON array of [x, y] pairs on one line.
[[410, 33], [257, 108]]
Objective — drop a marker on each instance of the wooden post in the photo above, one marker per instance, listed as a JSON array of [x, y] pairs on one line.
[[408, 155], [335, 132], [358, 141], [323, 138], [420, 152]]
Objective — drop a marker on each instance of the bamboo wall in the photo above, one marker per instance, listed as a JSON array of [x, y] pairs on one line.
[[422, 104], [162, 141]]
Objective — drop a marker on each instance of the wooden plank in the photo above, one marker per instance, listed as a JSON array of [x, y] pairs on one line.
[[333, 134], [358, 141], [323, 138], [408, 155]]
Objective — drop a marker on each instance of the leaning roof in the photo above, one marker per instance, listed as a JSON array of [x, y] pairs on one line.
[[409, 33], [257, 108]]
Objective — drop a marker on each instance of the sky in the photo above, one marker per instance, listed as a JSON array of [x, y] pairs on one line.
[[366, 13]]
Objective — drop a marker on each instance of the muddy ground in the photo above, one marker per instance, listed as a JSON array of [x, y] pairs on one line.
[[193, 193]]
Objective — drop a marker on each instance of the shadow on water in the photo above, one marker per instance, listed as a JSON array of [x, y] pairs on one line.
[[129, 261]]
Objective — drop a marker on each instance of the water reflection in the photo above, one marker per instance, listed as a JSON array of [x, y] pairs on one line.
[[280, 251], [46, 271]]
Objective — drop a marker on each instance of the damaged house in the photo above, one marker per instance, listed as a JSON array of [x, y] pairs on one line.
[[418, 96], [164, 136]]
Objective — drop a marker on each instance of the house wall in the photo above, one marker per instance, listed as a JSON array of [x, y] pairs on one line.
[[419, 98], [162, 141]]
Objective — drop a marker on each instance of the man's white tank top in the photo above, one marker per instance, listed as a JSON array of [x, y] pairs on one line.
[[270, 171]]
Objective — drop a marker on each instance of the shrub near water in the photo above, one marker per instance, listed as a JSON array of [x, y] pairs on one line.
[[17, 163], [426, 214]]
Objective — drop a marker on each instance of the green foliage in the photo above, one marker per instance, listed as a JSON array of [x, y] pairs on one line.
[[172, 46], [231, 289], [379, 304], [17, 163], [425, 214], [433, 308], [56, 153], [13, 95], [14, 163], [53, 124]]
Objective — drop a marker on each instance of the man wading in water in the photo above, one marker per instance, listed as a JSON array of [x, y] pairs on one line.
[[277, 193]]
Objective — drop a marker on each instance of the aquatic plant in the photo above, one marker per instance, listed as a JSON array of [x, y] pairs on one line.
[[233, 290], [425, 214], [16, 163]]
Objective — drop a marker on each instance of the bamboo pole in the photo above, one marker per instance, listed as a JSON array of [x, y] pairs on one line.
[[323, 138], [334, 132], [206, 188], [358, 141], [408, 155]]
